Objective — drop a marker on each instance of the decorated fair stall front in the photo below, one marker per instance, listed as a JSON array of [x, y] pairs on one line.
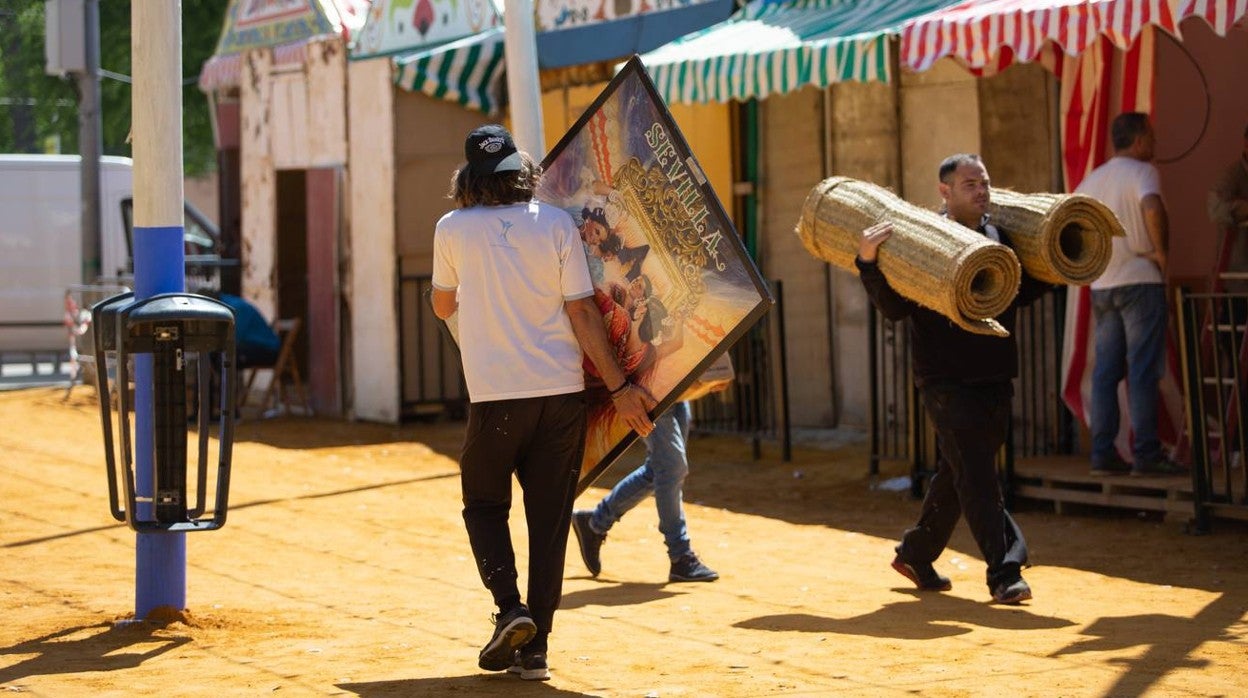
[[397, 26], [278, 86], [283, 26], [1082, 43], [1114, 56]]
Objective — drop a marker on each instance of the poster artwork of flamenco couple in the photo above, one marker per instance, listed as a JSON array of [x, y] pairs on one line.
[[674, 283]]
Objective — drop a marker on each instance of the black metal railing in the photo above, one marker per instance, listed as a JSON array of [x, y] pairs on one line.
[[1040, 425], [1213, 336], [431, 373], [756, 405]]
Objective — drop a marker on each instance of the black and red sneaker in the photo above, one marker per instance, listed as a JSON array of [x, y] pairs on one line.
[[924, 576]]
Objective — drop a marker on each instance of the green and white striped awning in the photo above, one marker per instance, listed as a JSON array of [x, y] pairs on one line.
[[771, 47], [468, 72]]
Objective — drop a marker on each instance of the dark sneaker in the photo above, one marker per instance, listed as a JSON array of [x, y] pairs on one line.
[[1162, 466], [923, 576], [590, 541], [688, 568], [1014, 592], [531, 666], [511, 631], [1113, 465]]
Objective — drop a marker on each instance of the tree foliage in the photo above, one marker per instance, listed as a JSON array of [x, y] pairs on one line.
[[39, 112]]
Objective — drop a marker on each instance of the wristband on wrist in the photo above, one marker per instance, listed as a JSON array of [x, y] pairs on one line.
[[620, 390]]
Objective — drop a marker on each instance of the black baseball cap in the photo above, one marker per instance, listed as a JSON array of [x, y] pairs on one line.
[[489, 150]]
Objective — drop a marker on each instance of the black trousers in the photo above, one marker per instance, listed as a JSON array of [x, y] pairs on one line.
[[971, 423], [542, 441]]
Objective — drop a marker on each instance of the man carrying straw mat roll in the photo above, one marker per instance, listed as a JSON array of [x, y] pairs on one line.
[[965, 379]]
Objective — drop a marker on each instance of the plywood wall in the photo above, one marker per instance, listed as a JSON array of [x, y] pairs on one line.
[[707, 128], [293, 116], [863, 144], [792, 157], [1017, 134], [428, 147], [939, 117], [259, 231]]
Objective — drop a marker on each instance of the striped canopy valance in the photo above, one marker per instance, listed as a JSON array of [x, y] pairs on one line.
[[772, 47], [468, 72]]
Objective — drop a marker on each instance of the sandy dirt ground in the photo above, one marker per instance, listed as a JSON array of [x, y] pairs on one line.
[[343, 571]]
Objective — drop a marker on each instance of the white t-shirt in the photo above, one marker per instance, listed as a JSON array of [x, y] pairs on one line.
[[1121, 184], [514, 267]]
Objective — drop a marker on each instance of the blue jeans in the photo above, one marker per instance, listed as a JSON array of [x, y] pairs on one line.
[[1131, 344], [663, 473]]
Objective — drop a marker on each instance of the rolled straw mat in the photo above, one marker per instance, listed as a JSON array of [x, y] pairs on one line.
[[1059, 238], [929, 259]]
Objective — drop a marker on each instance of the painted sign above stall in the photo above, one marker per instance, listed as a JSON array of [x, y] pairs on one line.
[[403, 25], [253, 24], [569, 14]]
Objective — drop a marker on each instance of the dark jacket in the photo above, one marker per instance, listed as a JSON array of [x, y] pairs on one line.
[[943, 352]]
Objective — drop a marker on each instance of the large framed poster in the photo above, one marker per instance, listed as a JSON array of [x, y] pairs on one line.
[[675, 285]]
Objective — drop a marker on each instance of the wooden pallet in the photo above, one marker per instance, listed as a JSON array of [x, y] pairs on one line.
[[1062, 479]]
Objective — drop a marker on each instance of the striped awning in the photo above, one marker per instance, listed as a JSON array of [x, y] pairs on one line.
[[221, 72], [468, 72], [771, 47], [976, 31], [284, 28]]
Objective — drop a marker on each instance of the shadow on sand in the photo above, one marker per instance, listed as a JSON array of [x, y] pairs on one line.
[[92, 648], [486, 685], [934, 616]]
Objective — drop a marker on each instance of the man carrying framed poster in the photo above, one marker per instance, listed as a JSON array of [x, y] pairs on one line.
[[514, 266], [665, 275]]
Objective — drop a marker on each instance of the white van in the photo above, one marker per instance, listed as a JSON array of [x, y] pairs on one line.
[[41, 242]]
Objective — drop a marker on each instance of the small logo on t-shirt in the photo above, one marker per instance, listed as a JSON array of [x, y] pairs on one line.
[[502, 234]]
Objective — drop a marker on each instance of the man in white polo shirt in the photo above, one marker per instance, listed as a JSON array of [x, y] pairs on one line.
[[515, 270]]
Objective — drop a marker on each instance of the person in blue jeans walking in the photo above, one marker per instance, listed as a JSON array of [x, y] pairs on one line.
[[662, 473], [1129, 302]]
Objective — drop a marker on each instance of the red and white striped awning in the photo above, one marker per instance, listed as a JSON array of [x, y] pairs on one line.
[[976, 31], [316, 19], [220, 72]]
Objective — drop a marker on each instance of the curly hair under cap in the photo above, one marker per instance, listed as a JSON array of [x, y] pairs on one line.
[[498, 189]]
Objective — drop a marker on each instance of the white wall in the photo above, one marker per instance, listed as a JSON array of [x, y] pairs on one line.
[[371, 253]]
